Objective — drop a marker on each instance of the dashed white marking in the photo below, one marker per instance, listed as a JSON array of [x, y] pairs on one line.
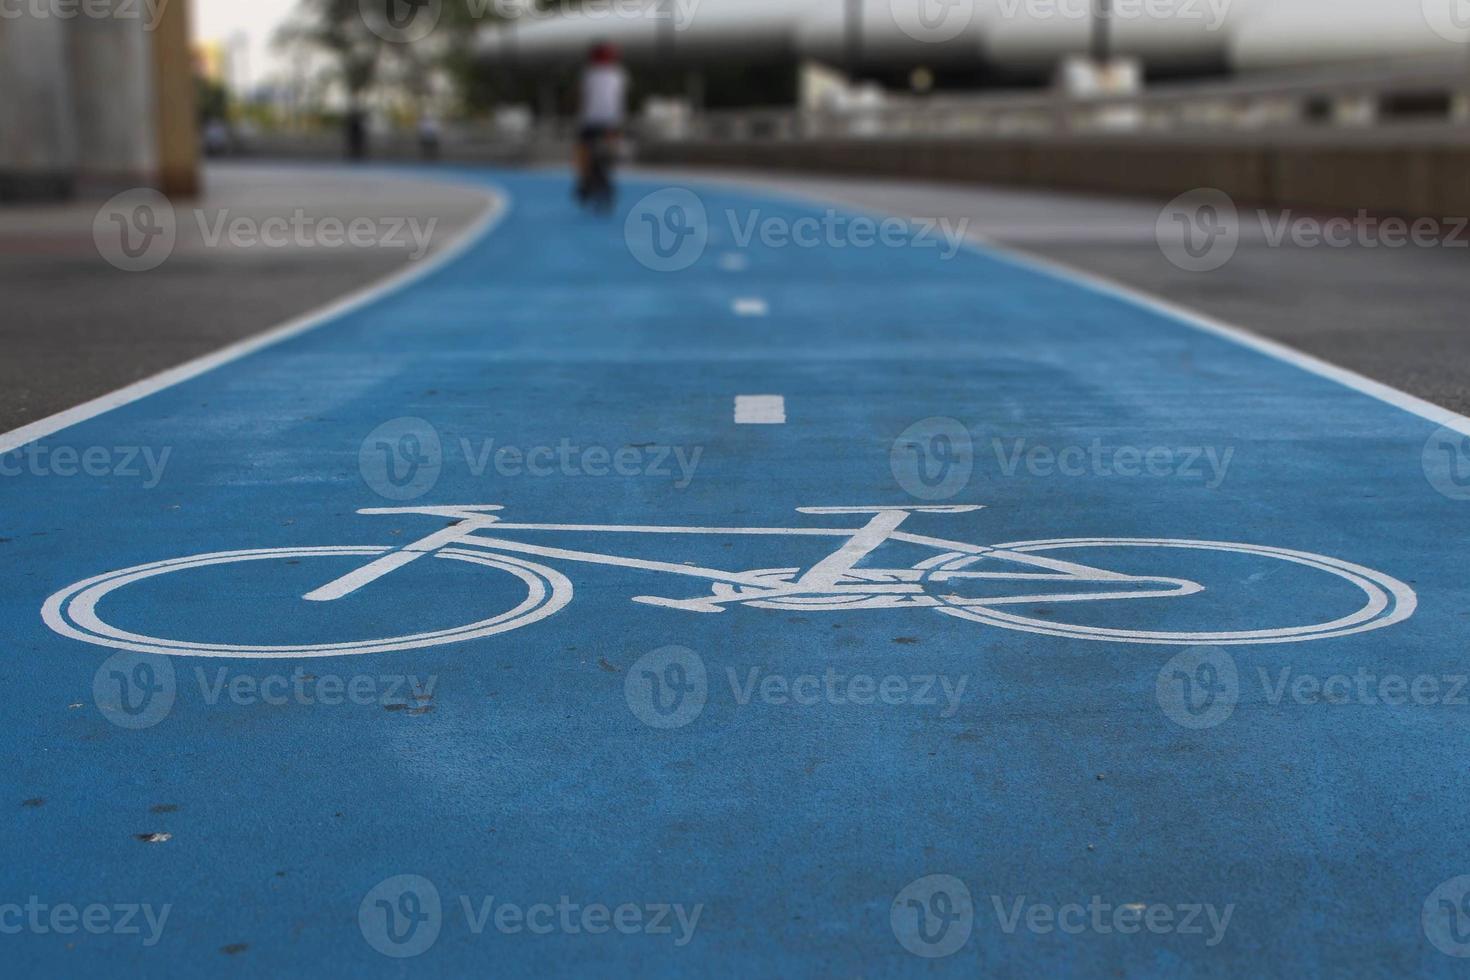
[[1099, 284], [760, 410], [734, 262], [751, 306]]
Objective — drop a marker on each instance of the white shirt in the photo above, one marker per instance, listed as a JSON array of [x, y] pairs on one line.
[[604, 95]]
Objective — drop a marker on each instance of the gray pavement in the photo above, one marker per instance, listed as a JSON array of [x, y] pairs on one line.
[[75, 327], [1400, 316]]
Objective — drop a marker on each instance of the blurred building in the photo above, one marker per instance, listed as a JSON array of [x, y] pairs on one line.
[[960, 44], [95, 101]]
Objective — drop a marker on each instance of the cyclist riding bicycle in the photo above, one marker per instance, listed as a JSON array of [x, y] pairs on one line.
[[603, 110]]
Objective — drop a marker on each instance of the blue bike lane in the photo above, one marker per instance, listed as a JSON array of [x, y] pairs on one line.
[[620, 787]]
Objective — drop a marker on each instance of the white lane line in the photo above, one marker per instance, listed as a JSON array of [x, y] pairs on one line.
[[751, 306], [1238, 335], [733, 262], [1011, 255], [499, 207], [760, 410]]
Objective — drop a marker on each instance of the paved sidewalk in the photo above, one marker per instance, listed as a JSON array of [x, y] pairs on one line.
[[75, 327]]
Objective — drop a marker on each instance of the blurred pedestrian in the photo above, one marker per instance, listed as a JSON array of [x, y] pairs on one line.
[[429, 135], [604, 109], [356, 134], [216, 138]]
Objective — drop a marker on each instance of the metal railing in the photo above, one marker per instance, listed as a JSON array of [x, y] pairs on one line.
[[1427, 93]]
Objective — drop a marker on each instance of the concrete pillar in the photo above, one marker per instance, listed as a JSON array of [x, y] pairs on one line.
[[176, 102], [111, 62], [37, 139]]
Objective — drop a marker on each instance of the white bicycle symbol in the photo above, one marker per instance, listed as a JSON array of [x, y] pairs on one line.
[[947, 582]]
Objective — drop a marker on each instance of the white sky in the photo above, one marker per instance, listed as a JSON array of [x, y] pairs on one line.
[[256, 20]]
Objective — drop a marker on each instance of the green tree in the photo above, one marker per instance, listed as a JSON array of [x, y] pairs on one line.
[[337, 28]]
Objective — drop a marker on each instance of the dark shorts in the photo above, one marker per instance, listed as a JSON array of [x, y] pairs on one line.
[[591, 135]]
